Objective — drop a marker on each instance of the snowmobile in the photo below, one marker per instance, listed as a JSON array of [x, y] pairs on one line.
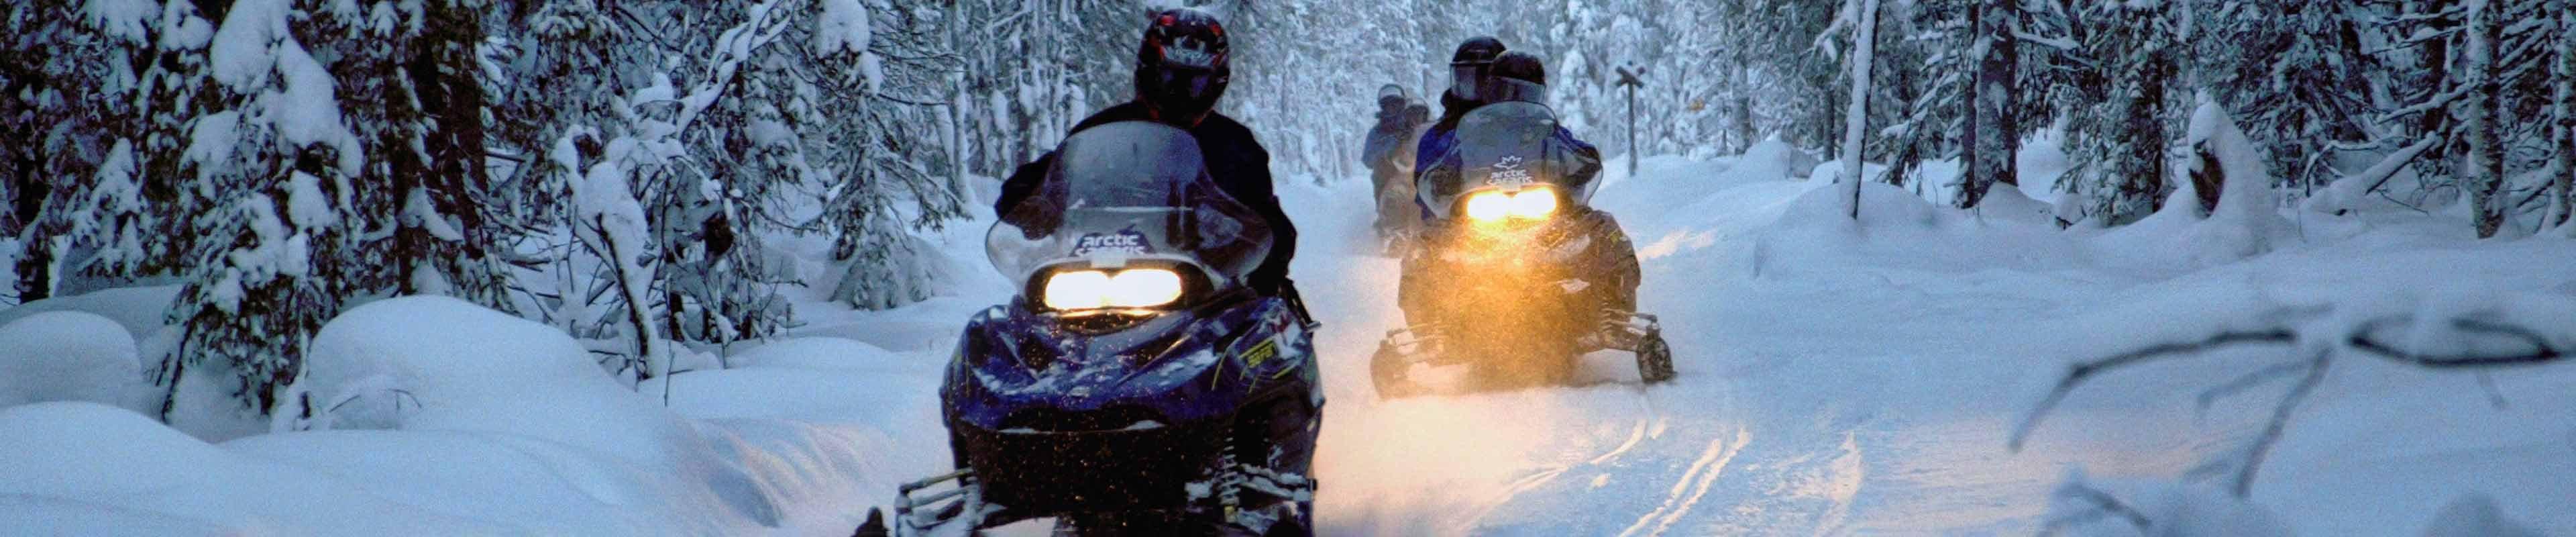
[[1515, 276], [1134, 385]]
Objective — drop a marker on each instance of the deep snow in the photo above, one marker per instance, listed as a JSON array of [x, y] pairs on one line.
[[1834, 379]]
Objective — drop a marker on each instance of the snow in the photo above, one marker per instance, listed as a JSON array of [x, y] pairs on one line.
[[2474, 514], [123, 19], [843, 27], [69, 356]]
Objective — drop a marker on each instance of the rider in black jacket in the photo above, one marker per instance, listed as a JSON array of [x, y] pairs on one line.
[[1181, 70]]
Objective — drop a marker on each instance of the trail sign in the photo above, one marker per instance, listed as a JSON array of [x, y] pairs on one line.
[[1629, 79]]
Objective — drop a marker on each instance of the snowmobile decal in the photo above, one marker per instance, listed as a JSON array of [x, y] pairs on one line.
[[1509, 173], [1262, 352], [1125, 242]]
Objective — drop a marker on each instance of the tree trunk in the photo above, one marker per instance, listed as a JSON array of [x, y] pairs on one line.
[[2565, 100], [2483, 172], [1745, 133], [1993, 138], [1856, 119]]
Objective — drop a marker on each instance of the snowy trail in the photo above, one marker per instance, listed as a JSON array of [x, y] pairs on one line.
[[1815, 404], [1816, 395], [1824, 388]]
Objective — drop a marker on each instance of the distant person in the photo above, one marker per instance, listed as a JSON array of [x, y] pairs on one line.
[[1388, 154]]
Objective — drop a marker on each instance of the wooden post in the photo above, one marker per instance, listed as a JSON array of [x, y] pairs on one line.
[[1628, 79]]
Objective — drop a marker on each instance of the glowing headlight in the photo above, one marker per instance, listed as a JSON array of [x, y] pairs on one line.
[[1488, 206], [1131, 288], [1534, 203]]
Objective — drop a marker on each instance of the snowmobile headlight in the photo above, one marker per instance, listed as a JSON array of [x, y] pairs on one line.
[[1131, 288], [1534, 203], [1489, 206]]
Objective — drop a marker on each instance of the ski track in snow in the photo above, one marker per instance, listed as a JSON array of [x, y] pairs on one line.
[[1704, 472]]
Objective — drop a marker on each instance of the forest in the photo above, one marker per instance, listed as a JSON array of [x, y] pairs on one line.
[[654, 176]]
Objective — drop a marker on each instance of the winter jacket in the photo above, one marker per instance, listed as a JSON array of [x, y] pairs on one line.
[[1387, 152], [1234, 159]]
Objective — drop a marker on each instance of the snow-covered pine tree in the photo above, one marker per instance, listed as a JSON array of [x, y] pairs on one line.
[[75, 106], [558, 69], [1921, 117], [1803, 93], [876, 155], [2118, 131], [409, 81], [2296, 72], [270, 164], [2464, 74], [740, 125]]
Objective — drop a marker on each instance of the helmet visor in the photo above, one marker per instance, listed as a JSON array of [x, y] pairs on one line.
[[1464, 77], [1188, 91]]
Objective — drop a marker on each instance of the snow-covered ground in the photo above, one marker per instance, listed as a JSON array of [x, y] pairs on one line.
[[1834, 379]]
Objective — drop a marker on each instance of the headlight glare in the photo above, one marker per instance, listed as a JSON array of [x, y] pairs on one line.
[[1131, 288], [1534, 203], [1488, 206]]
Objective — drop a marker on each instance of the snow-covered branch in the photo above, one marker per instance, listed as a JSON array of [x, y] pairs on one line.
[[2482, 340]]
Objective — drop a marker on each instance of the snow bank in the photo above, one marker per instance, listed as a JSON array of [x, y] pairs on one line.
[[823, 353], [69, 356], [2474, 515], [455, 419], [140, 310], [438, 363], [91, 467], [2085, 507]]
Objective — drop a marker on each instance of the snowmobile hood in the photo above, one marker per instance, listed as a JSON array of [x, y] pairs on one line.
[[1183, 367]]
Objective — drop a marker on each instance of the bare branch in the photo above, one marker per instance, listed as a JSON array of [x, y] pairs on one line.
[[2104, 503], [2280, 421], [2541, 351], [2079, 372], [2246, 382]]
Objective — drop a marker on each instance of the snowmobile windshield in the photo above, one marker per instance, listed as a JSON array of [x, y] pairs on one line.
[[1507, 146], [1129, 192]]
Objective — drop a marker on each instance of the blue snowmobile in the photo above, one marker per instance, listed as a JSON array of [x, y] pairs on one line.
[[1516, 276], [1134, 385]]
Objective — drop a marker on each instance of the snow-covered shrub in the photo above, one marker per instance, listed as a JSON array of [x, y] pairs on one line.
[[68, 356], [438, 363]]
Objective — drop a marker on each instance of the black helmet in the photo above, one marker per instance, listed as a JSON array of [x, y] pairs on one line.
[[1516, 76], [1467, 66], [1391, 96], [1181, 67]]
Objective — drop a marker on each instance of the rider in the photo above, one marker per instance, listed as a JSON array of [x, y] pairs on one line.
[[1181, 71], [1520, 76], [1466, 70], [1389, 158]]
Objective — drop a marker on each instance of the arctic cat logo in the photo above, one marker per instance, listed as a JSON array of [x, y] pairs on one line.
[[1127, 242], [1187, 52], [1508, 173]]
